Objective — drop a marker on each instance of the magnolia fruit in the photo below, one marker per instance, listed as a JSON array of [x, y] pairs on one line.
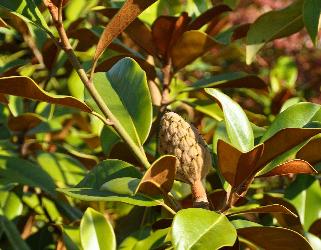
[[179, 138]]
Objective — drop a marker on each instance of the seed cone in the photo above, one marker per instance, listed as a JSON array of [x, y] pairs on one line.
[[179, 138]]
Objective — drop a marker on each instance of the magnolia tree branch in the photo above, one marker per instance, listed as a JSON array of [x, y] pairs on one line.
[[56, 13]]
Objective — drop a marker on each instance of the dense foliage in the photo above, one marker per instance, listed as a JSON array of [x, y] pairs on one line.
[[88, 161]]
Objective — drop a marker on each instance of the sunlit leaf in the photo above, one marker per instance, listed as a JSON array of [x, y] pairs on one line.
[[129, 11], [305, 194], [196, 228], [27, 88], [125, 91], [96, 232], [238, 126], [159, 178]]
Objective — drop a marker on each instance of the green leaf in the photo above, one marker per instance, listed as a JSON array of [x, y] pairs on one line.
[[125, 91], [27, 10], [108, 170], [296, 116], [311, 16], [153, 241], [197, 228], [272, 25], [96, 233], [238, 126], [62, 168], [111, 180], [108, 138], [305, 194], [10, 205], [228, 80], [26, 173], [13, 234]]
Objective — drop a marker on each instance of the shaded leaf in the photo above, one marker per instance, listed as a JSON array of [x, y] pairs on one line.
[[13, 235], [96, 232], [191, 45], [291, 167], [166, 30], [238, 126], [26, 173], [290, 137], [24, 122], [207, 16], [311, 151], [128, 12], [311, 16], [278, 23], [229, 80], [238, 168], [315, 228], [27, 88], [159, 178], [197, 228], [284, 220], [125, 91], [305, 194], [141, 34], [278, 238], [275, 208]]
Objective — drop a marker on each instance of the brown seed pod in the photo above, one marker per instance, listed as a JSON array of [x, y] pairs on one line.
[[179, 138]]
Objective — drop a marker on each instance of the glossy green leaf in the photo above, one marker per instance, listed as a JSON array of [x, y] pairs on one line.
[[238, 126], [272, 25], [27, 10], [296, 116], [96, 232], [228, 80], [197, 228], [26, 173], [125, 91], [311, 16], [13, 235], [305, 194], [108, 170], [64, 169], [112, 180], [153, 241], [239, 223], [119, 189], [108, 138]]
